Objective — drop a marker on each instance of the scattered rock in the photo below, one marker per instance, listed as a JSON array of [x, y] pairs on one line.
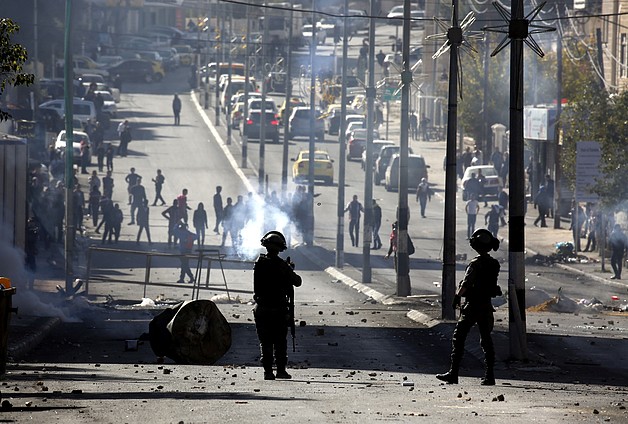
[[596, 412], [77, 391], [302, 323], [6, 405]]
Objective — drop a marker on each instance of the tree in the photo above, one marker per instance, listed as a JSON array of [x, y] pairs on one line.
[[12, 58]]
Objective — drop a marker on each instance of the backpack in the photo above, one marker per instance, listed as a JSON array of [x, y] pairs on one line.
[[411, 248]]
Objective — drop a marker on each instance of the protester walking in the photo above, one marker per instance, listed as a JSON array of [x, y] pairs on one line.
[[618, 243], [377, 223], [423, 195], [138, 196], [143, 213], [355, 209], [199, 220], [159, 183], [172, 215], [218, 208], [131, 180], [186, 244]]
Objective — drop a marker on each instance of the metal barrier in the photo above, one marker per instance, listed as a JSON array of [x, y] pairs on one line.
[[202, 255]]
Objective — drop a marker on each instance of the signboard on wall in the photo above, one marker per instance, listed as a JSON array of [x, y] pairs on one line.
[[588, 155], [539, 123]]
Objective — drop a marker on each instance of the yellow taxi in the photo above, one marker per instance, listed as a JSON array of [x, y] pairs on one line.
[[294, 102], [323, 168]]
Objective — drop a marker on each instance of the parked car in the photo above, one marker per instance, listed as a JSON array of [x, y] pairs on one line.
[[78, 137], [377, 147], [83, 110], [252, 127], [395, 16], [417, 169], [323, 167], [358, 20], [382, 162], [299, 124], [186, 54], [493, 181], [357, 141], [333, 116], [294, 102], [136, 70]]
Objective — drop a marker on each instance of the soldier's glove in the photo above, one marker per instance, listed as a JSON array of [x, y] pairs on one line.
[[456, 303]]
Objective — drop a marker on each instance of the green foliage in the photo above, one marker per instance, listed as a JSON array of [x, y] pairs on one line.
[[12, 58], [470, 108], [594, 115]]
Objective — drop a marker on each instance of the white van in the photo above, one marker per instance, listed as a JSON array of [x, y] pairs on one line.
[[237, 84], [83, 110]]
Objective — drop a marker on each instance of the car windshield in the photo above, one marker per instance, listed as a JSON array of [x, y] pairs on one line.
[[317, 156], [77, 137], [488, 171]]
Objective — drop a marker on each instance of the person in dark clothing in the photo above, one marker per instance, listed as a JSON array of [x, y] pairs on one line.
[[109, 156], [414, 126], [578, 218], [491, 219], [182, 202], [423, 124], [159, 183], [541, 202], [549, 186], [176, 109], [106, 207], [186, 244], [618, 242], [125, 139], [502, 200], [482, 188], [94, 205], [131, 180], [199, 220], [85, 157], [79, 205], [594, 230], [227, 223], [467, 157], [138, 195], [100, 154], [380, 57], [107, 185], [478, 286], [377, 223], [218, 208], [472, 187], [273, 285], [423, 194], [109, 219], [355, 209], [143, 212], [172, 215], [117, 221]]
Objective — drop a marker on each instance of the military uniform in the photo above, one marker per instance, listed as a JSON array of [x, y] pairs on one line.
[[478, 286], [273, 284]]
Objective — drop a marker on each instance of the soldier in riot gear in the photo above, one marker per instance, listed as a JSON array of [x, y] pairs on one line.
[[273, 284], [478, 286]]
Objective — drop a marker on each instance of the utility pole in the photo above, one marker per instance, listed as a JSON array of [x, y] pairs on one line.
[[516, 33], [309, 231], [403, 260], [368, 167], [287, 111], [220, 30], [342, 145], [262, 144], [229, 94], [557, 127], [245, 109], [68, 70]]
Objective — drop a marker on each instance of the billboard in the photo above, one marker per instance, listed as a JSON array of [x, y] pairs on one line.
[[539, 123], [588, 155]]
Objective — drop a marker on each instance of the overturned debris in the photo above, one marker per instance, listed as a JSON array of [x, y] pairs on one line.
[[192, 332]]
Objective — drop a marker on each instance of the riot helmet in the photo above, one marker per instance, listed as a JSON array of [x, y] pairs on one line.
[[274, 239], [483, 241]]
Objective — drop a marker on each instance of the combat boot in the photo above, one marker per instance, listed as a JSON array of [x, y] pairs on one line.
[[489, 377], [450, 377], [268, 375], [282, 374]]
